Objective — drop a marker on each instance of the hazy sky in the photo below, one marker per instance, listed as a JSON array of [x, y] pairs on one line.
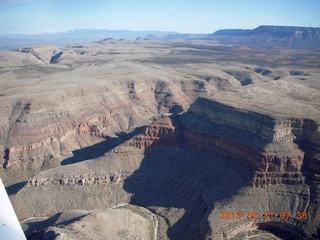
[[186, 16]]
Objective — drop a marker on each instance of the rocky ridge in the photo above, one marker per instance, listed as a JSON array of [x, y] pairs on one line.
[[131, 222], [183, 137], [263, 143], [272, 36], [200, 128], [271, 146], [58, 130]]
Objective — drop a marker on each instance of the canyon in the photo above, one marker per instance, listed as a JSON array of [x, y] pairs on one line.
[[161, 139]]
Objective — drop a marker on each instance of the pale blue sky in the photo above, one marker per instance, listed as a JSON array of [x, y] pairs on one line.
[[186, 16]]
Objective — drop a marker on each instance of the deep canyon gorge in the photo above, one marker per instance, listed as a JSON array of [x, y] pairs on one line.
[[161, 139]]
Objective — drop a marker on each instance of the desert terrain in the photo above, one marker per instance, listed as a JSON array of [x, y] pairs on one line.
[[161, 139]]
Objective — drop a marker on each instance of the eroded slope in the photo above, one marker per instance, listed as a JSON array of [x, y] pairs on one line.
[[91, 126]]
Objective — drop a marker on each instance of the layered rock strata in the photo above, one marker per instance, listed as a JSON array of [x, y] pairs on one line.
[[39, 133], [283, 154], [252, 148], [160, 133], [199, 154], [157, 134], [269, 145], [83, 179]]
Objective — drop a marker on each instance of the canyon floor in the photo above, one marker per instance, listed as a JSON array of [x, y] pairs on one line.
[[161, 139]]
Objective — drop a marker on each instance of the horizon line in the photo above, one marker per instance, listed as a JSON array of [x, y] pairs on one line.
[[150, 30]]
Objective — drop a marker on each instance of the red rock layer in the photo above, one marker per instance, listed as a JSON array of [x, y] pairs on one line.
[[45, 129], [160, 133], [268, 145]]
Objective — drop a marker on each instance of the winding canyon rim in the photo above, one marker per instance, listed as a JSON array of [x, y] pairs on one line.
[[162, 139]]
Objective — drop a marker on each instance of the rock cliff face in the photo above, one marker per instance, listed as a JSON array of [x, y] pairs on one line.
[[183, 155], [179, 128], [271, 36], [131, 222], [158, 134], [272, 147], [39, 133]]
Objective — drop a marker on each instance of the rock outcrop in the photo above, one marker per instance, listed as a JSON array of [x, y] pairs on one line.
[[131, 222], [156, 166], [84, 179], [270, 146], [272, 36], [46, 53], [38, 133], [157, 134], [213, 147]]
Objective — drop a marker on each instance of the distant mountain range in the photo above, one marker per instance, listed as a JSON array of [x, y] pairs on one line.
[[262, 36], [81, 36], [271, 36]]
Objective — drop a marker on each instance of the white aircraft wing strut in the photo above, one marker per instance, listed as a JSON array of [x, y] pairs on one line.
[[10, 228]]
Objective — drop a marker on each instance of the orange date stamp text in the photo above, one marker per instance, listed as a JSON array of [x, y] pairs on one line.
[[283, 215]]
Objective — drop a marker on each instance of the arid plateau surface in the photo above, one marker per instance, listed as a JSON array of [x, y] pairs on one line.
[[162, 139]]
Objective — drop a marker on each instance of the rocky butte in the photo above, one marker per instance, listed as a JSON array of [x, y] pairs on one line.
[[161, 139]]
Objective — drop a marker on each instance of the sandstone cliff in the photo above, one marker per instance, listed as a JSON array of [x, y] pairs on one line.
[[38, 132], [273, 147], [186, 138], [282, 153], [225, 158]]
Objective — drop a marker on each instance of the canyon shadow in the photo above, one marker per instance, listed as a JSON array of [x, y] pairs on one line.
[[181, 184]]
